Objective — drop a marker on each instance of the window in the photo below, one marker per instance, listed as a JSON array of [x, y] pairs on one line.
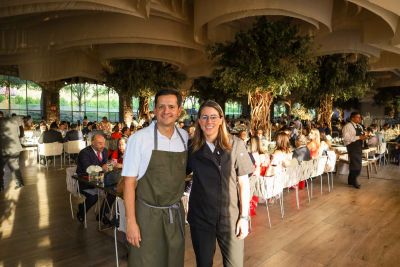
[[20, 97], [91, 100]]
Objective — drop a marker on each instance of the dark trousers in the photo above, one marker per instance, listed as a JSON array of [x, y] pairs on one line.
[[353, 174], [13, 163], [92, 199], [204, 245]]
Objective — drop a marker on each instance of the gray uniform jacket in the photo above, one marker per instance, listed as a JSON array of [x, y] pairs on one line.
[[9, 137]]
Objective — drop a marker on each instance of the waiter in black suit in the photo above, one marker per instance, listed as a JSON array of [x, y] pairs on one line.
[[353, 137], [95, 154]]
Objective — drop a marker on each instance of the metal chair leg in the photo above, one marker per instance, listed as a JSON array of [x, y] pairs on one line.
[[308, 192], [269, 219], [70, 203], [320, 177]]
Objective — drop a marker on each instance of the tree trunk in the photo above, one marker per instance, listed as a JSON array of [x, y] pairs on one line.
[[325, 110], [125, 108], [50, 101], [144, 106], [260, 103]]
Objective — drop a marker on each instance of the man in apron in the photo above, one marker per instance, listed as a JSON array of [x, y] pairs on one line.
[[155, 170], [353, 137]]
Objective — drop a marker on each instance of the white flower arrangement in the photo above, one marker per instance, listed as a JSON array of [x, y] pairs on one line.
[[93, 168]]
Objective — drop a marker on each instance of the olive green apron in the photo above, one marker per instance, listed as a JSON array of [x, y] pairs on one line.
[[159, 211]]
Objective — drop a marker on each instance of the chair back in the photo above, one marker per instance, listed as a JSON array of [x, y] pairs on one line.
[[321, 163], [72, 184], [291, 174], [120, 214], [331, 161], [50, 149], [306, 169], [74, 147], [382, 149]]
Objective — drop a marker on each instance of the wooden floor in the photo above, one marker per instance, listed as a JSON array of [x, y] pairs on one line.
[[346, 227]]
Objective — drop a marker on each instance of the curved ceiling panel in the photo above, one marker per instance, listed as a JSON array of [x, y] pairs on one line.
[[387, 61], [181, 57], [10, 8], [344, 42], [389, 17], [72, 63], [209, 11], [99, 29]]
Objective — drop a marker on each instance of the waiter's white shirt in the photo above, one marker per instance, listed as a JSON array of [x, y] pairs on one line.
[[140, 146], [349, 133]]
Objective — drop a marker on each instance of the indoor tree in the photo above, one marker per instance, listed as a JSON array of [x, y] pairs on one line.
[[339, 77], [140, 78], [267, 60], [389, 97]]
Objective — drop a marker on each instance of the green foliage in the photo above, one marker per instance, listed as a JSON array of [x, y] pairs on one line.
[[205, 88], [387, 96], [340, 77], [2, 98], [271, 56], [141, 77]]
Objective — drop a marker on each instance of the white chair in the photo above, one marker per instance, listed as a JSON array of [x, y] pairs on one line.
[[330, 166], [381, 153], [292, 178], [73, 147], [306, 170], [271, 186], [318, 171], [73, 189], [51, 149], [120, 223]]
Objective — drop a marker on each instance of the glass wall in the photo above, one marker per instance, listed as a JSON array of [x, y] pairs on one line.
[[91, 100], [19, 96], [233, 109]]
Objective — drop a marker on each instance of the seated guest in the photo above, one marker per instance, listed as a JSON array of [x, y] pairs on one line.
[[301, 153], [376, 138], [325, 145], [63, 128], [118, 155], [282, 154], [126, 132], [314, 143], [87, 128], [259, 157], [93, 132], [51, 136], [95, 154], [73, 134]]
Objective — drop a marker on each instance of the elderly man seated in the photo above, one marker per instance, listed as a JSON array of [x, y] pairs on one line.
[[95, 154]]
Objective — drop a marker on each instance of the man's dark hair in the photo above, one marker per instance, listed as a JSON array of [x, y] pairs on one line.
[[354, 113], [124, 129], [169, 92], [53, 125], [74, 126]]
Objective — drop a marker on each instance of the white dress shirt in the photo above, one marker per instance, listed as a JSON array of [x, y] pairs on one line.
[[140, 147], [349, 133]]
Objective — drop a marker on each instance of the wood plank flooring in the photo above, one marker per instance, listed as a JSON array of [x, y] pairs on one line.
[[346, 227]]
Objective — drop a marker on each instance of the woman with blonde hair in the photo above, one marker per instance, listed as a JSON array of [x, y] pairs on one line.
[[314, 143], [220, 194]]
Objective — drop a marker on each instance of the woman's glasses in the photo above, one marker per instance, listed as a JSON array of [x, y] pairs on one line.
[[211, 117]]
